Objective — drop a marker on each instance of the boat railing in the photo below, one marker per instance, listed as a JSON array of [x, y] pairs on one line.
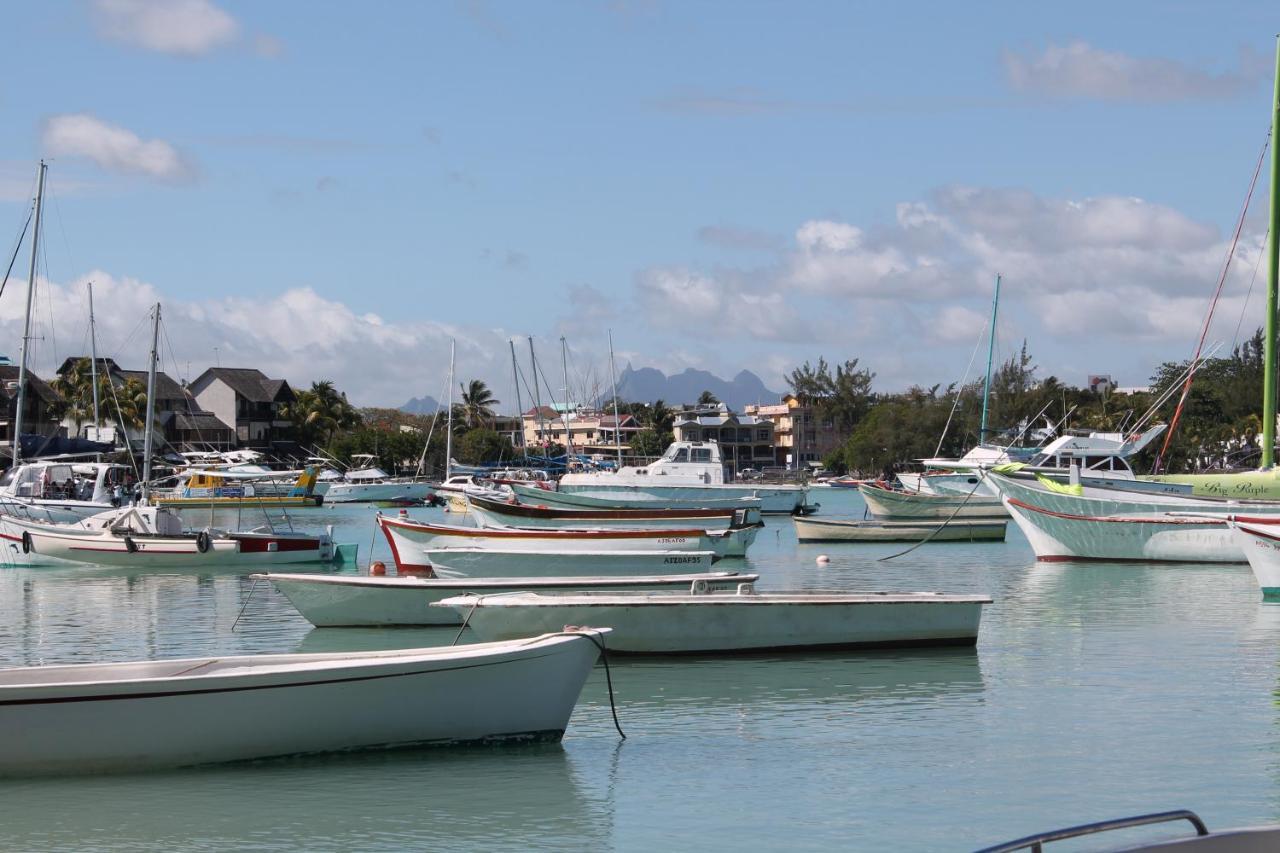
[[1036, 842]]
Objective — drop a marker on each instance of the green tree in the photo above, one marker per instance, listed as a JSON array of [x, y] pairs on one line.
[[320, 412], [648, 442], [706, 398], [482, 445], [477, 404]]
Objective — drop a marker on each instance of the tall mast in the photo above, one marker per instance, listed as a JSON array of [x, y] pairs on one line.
[[617, 424], [515, 378], [564, 366], [1273, 276], [448, 435], [537, 394], [151, 406], [26, 329], [93, 363], [991, 348]]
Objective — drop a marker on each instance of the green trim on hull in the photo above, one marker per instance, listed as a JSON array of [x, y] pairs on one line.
[[1243, 485], [1271, 593]]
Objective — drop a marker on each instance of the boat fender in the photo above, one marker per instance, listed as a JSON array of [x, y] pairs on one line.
[[130, 545], [202, 542], [27, 547]]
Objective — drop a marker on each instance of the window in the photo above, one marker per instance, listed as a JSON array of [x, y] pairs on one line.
[[701, 454], [682, 455], [762, 435]]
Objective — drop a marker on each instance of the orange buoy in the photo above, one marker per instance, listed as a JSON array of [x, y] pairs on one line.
[[377, 568]]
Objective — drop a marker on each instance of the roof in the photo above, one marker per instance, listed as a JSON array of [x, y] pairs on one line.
[[250, 383], [105, 365], [42, 389], [166, 388], [546, 412], [199, 422]]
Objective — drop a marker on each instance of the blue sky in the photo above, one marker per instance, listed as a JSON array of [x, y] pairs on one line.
[[333, 190]]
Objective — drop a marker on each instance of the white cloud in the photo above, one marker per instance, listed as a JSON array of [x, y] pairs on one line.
[[114, 148], [180, 27], [716, 306], [1080, 70]]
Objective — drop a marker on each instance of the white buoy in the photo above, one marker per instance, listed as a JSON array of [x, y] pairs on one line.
[[823, 559]]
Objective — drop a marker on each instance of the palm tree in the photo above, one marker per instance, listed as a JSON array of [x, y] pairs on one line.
[[477, 403], [320, 411], [706, 398], [128, 403]]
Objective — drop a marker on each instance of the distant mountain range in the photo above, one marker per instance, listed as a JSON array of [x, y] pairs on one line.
[[421, 406], [648, 384]]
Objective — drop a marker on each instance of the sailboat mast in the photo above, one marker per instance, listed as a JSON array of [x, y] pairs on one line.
[[93, 363], [1273, 277], [537, 394], [448, 434], [148, 436], [515, 379], [26, 329], [991, 348], [564, 367], [617, 424]]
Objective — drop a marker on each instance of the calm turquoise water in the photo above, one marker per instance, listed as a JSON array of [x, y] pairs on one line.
[[1095, 691]]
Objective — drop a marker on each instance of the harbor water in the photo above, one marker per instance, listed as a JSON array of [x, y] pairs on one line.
[[1095, 690]]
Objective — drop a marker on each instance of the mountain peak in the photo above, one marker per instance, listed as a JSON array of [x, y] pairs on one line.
[[646, 384]]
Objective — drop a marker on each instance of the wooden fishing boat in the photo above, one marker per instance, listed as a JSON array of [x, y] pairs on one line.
[[848, 530], [144, 715], [701, 621], [894, 505], [578, 500], [409, 539], [493, 513], [531, 561], [1259, 538], [155, 536], [342, 601]]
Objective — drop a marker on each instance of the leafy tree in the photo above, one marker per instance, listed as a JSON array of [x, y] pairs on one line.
[[648, 442], [482, 445], [477, 404], [319, 412], [843, 398], [706, 398]]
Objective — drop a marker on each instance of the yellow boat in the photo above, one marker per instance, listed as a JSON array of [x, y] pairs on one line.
[[215, 490]]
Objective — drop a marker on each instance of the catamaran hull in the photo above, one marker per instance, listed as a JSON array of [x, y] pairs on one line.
[[1056, 536], [329, 601], [774, 500], [379, 701], [687, 625]]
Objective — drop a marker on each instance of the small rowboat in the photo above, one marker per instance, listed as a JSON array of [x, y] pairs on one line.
[[701, 621], [839, 530], [487, 562], [492, 513], [409, 540], [344, 601], [92, 718], [887, 504]]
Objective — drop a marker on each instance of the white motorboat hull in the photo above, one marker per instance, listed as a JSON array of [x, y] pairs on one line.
[[408, 540], [888, 504], [959, 530], [148, 715], [773, 499], [582, 500], [505, 563], [340, 493], [1154, 537], [682, 624], [345, 601]]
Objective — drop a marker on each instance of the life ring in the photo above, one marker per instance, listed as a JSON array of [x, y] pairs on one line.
[[130, 545], [27, 547], [202, 541]]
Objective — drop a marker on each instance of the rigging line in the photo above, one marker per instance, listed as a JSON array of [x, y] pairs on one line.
[[960, 391], [17, 247], [186, 397], [48, 298], [119, 347], [1213, 304], [1244, 309]]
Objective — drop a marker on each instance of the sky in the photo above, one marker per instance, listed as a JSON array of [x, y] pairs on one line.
[[336, 190]]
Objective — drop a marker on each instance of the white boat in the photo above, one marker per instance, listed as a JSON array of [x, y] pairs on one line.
[[1259, 538], [370, 483], [518, 561], [1254, 839], [145, 715], [848, 530], [155, 536], [66, 489], [887, 504], [743, 621], [579, 500], [491, 513], [688, 470], [348, 601], [408, 539], [457, 488]]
